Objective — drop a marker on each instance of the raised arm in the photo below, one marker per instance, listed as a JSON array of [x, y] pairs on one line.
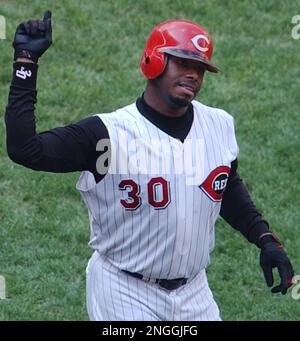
[[63, 149]]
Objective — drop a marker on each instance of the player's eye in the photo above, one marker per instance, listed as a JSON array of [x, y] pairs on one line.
[[182, 62]]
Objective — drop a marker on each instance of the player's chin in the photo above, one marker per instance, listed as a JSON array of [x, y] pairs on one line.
[[179, 101]]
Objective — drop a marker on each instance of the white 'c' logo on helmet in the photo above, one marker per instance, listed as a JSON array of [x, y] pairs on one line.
[[196, 39]]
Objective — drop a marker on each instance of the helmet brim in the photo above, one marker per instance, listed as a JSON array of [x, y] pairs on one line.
[[190, 55]]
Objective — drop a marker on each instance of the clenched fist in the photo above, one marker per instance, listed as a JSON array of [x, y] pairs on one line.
[[33, 38]]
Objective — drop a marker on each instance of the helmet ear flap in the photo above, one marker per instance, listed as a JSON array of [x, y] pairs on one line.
[[152, 65]]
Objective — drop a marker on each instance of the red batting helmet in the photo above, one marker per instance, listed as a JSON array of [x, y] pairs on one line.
[[180, 38]]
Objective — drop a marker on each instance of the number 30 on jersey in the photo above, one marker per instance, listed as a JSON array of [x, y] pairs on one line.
[[158, 190]]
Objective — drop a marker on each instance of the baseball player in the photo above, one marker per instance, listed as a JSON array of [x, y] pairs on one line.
[[156, 175]]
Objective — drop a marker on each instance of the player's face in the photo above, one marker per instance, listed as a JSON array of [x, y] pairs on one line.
[[181, 80]]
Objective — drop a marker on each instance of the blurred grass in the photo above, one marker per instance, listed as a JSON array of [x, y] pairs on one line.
[[92, 67]]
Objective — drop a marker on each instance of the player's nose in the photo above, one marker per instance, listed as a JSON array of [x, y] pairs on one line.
[[195, 72]]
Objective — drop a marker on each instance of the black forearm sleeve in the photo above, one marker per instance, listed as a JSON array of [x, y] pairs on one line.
[[19, 116], [65, 149], [240, 212]]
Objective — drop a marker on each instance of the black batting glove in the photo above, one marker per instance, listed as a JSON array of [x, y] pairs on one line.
[[33, 38], [272, 255]]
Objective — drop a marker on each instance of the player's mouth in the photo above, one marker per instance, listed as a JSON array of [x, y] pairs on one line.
[[188, 88]]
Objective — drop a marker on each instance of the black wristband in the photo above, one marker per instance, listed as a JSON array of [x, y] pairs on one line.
[[25, 75]]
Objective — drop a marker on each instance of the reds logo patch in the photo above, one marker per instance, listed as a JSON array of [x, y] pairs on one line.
[[215, 184]]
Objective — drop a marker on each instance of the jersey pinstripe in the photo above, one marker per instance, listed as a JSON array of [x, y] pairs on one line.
[[166, 229]]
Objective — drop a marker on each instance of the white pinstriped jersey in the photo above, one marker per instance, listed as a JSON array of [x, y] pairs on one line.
[[150, 214]]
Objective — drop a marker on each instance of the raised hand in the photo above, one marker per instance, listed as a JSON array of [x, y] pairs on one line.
[[33, 38]]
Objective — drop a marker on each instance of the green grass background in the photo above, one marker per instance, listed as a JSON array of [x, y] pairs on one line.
[[93, 66]]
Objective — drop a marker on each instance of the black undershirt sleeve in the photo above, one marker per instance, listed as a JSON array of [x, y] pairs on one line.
[[239, 211], [63, 149]]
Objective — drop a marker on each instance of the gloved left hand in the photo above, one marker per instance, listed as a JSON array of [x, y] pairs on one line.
[[272, 255]]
